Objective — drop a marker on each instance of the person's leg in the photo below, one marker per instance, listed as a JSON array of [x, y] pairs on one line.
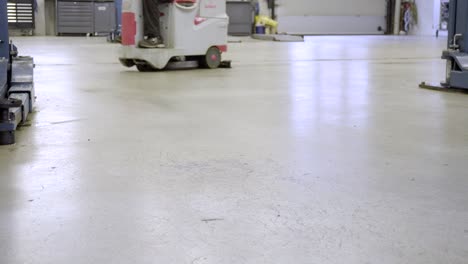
[[151, 28]]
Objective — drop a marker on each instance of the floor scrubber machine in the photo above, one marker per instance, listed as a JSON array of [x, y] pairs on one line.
[[194, 31]]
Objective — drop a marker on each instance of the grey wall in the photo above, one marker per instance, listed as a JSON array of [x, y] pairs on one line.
[[429, 17], [50, 17], [45, 18], [40, 18]]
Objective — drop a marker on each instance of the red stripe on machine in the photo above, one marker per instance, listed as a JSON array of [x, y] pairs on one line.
[[129, 28], [199, 20], [222, 48]]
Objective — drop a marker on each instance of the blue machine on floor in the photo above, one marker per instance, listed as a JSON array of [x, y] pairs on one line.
[[457, 51], [16, 83]]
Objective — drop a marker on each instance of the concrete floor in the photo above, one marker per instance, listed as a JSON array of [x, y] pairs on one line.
[[317, 152]]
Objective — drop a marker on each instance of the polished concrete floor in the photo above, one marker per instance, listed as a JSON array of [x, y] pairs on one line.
[[317, 152]]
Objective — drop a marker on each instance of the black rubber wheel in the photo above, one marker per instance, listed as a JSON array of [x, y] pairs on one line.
[[7, 138], [212, 59], [127, 63], [145, 68]]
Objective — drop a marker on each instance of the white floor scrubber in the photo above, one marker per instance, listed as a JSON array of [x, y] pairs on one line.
[[192, 30]]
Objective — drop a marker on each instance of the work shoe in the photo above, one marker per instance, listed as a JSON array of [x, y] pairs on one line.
[[151, 43]]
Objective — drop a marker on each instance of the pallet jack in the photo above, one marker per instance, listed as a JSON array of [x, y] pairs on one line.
[[16, 83], [457, 51], [195, 33]]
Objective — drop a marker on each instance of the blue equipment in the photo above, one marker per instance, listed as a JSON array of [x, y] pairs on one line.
[[16, 83]]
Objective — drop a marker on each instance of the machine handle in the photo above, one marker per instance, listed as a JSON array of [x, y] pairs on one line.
[[456, 37], [179, 4]]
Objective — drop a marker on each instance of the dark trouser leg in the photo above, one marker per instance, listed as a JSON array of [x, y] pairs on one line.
[[151, 19]]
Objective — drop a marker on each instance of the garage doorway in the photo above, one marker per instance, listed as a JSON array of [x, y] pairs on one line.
[[339, 17]]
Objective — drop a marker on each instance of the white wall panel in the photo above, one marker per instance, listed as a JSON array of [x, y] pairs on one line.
[[331, 7], [331, 16]]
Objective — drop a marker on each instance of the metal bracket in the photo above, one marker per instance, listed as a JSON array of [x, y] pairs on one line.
[[7, 127], [443, 87], [9, 103]]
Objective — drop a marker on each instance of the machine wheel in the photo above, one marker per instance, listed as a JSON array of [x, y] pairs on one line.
[[145, 68], [7, 138], [127, 63], [212, 59]]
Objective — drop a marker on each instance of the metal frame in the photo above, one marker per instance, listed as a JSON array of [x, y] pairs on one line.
[[16, 84]]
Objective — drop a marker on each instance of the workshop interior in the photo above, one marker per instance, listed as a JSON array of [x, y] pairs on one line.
[[233, 131]]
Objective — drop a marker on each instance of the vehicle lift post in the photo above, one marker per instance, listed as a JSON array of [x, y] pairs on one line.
[[457, 50]]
